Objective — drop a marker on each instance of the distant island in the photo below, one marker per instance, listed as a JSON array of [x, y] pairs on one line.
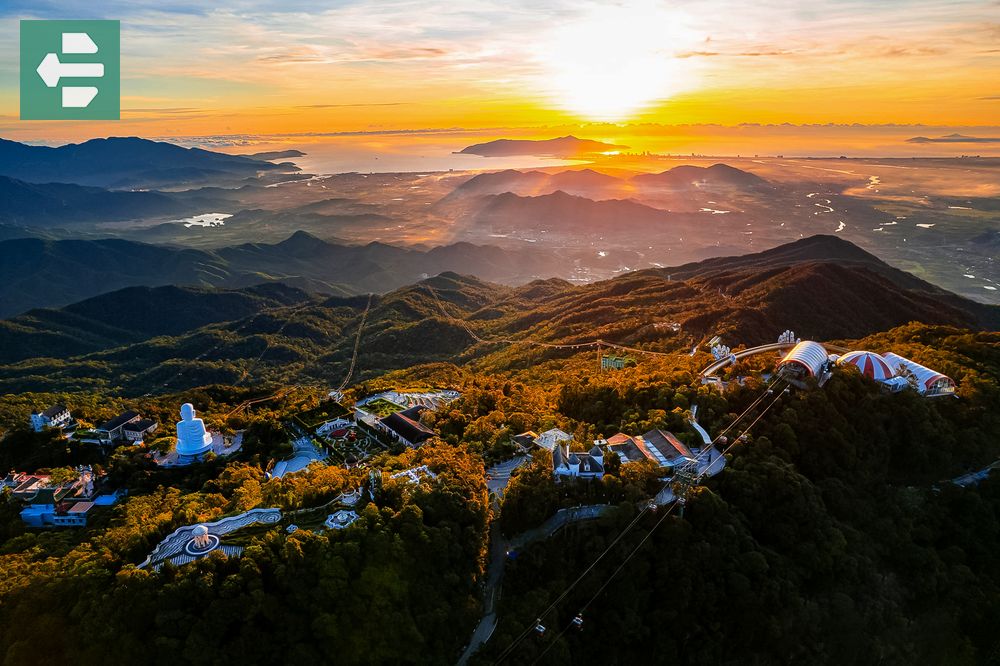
[[564, 146], [954, 138], [275, 155]]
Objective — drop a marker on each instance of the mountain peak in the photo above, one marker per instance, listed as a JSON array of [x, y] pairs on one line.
[[302, 240]]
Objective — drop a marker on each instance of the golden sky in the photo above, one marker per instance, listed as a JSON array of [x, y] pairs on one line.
[[260, 67]]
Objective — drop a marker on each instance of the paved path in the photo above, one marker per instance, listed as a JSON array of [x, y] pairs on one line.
[[304, 453], [715, 460], [491, 595], [499, 475], [562, 517], [499, 548], [974, 478]]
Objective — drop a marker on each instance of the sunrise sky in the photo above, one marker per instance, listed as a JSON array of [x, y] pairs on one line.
[[371, 65]]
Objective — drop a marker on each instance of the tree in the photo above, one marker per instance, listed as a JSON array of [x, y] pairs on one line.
[[60, 476]]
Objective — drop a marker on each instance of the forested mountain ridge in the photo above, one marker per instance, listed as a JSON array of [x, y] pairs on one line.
[[746, 303], [126, 163], [833, 536], [130, 315], [50, 204], [830, 538], [38, 273]]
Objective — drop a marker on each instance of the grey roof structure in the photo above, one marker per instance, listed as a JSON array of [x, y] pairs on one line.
[[142, 425], [406, 424], [590, 464], [119, 420], [54, 410], [665, 446]]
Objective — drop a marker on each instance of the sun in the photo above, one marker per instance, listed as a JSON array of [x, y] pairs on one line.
[[614, 61]]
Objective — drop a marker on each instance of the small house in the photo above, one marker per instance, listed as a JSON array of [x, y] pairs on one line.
[[566, 463], [56, 416], [660, 446]]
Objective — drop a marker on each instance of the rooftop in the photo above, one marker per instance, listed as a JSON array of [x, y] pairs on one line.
[[550, 438], [141, 425], [406, 424], [54, 410], [563, 458], [664, 445], [48, 495], [119, 420]]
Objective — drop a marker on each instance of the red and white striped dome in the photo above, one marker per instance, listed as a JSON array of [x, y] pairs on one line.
[[870, 364]]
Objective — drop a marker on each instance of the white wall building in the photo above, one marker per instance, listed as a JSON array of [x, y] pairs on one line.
[[136, 431], [566, 463], [56, 416]]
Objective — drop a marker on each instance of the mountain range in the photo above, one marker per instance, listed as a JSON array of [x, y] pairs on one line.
[[37, 273], [116, 179], [128, 163], [50, 204], [569, 214], [717, 175], [591, 183], [130, 315], [822, 287]]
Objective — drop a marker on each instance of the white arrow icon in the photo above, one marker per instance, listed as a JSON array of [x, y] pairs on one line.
[[78, 42], [78, 97], [51, 70]]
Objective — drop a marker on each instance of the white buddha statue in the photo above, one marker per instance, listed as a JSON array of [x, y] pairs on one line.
[[192, 438]]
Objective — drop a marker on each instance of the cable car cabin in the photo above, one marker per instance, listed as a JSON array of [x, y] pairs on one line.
[[539, 628], [805, 360]]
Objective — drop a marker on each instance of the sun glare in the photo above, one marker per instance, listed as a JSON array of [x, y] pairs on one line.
[[613, 62]]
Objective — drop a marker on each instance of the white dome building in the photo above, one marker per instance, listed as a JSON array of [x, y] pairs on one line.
[[805, 358], [927, 382], [871, 365]]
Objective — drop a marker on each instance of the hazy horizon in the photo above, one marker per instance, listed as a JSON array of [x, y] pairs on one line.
[[681, 77], [434, 149]]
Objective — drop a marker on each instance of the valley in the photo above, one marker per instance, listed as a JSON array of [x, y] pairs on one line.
[[934, 217], [480, 419]]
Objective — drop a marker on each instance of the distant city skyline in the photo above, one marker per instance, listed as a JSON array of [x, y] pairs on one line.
[[366, 66]]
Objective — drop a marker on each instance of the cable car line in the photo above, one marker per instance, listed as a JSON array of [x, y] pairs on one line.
[[514, 644]]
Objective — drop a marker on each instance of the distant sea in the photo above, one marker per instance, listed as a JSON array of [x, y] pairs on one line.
[[434, 150], [392, 154]]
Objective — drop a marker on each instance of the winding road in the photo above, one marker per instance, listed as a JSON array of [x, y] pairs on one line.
[[499, 547]]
